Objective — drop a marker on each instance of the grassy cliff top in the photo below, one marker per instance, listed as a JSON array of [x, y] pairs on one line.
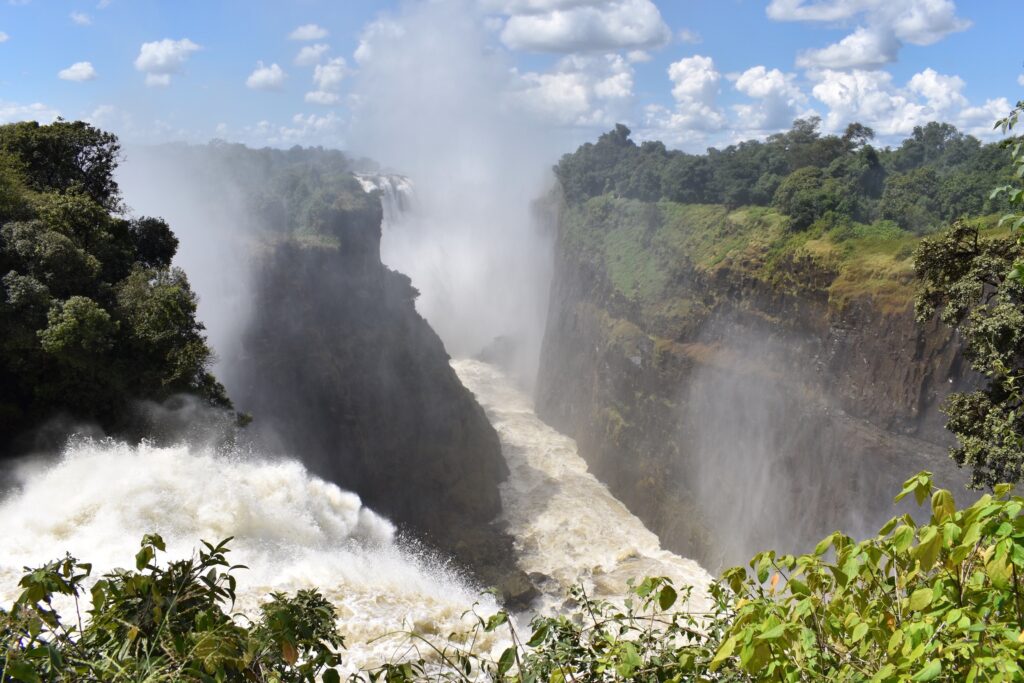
[[647, 249]]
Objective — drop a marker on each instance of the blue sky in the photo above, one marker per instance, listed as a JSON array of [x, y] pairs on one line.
[[691, 72]]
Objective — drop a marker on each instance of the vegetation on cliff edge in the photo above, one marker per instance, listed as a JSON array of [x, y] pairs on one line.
[[93, 314]]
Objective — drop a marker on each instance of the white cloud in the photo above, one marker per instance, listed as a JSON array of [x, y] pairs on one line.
[[311, 54], [327, 78], [868, 97], [330, 75], [778, 99], [580, 90], [266, 77], [942, 93], [1020, 79], [885, 25], [979, 120], [323, 98], [11, 112], [308, 32], [689, 36], [695, 86], [4, 37], [81, 18], [872, 98], [162, 58], [584, 26], [861, 49], [79, 71]]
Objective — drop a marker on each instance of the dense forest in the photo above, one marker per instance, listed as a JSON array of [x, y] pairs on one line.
[[94, 315], [936, 175]]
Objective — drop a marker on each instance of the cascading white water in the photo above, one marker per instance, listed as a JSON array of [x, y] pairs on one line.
[[567, 525], [297, 531], [292, 529], [396, 192]]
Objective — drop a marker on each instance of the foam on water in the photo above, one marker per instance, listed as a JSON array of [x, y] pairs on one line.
[[292, 529], [567, 525], [295, 530]]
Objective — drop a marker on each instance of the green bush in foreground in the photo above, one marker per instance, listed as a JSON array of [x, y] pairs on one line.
[[164, 624], [941, 601]]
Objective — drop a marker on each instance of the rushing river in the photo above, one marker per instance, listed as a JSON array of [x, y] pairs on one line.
[[295, 530]]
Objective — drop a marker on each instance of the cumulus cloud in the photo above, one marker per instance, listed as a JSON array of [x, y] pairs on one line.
[[689, 36], [327, 78], [580, 90], [81, 18], [161, 59], [778, 99], [308, 32], [864, 48], [942, 93], [4, 37], [695, 88], [883, 27], [872, 98], [266, 77], [11, 112], [583, 26], [311, 54], [79, 71]]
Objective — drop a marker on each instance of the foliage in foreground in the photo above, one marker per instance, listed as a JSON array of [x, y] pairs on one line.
[[163, 623], [940, 601]]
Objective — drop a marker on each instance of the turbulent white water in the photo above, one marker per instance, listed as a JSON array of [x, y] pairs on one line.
[[566, 524], [297, 531], [292, 529]]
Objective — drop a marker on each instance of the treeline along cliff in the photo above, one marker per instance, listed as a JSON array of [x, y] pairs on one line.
[[731, 337]]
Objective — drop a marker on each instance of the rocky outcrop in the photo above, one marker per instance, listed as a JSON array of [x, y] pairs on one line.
[[734, 413], [339, 367]]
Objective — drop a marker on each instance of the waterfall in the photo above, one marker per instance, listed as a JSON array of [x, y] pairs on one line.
[[396, 193]]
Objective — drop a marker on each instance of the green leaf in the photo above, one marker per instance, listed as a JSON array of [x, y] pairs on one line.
[[539, 635], [773, 633], [859, 631], [724, 652], [921, 598], [930, 671], [507, 659], [667, 597], [331, 676]]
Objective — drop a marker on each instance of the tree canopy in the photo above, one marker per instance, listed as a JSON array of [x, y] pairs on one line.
[[94, 316], [936, 175]]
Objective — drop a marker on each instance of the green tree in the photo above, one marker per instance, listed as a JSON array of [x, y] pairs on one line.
[[975, 283], [92, 314]]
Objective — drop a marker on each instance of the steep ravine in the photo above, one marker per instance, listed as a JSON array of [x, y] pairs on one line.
[[371, 402], [730, 411]]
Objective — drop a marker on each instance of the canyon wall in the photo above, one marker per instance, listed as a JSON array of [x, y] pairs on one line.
[[738, 397], [337, 365]]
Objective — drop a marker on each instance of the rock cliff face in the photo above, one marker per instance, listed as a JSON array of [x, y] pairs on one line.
[[339, 367], [732, 406]]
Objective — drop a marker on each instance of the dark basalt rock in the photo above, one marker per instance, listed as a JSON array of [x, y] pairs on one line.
[[339, 367]]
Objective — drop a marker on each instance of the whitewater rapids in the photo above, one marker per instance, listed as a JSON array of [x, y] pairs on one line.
[[296, 531], [567, 525]]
